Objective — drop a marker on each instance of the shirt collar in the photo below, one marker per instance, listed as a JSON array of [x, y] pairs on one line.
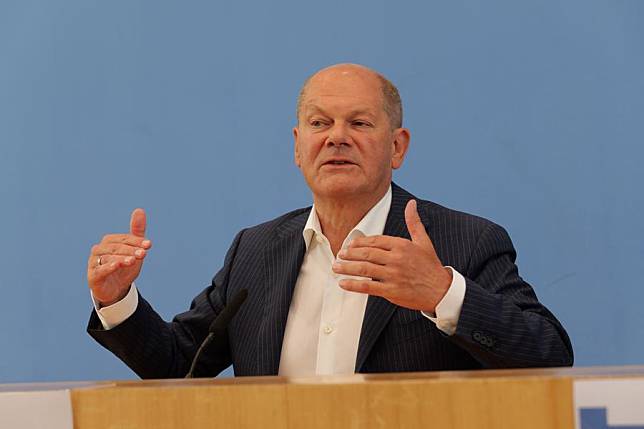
[[373, 223]]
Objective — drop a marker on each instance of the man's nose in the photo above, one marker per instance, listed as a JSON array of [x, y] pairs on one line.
[[338, 135]]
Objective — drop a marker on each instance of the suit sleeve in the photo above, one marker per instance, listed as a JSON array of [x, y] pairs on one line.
[[153, 348], [502, 324]]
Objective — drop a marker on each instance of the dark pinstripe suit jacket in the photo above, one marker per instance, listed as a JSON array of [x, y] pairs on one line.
[[502, 324]]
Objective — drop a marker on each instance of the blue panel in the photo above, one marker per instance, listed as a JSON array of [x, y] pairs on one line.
[[528, 113], [595, 418]]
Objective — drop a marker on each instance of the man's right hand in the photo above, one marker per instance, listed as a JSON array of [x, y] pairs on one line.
[[116, 261]]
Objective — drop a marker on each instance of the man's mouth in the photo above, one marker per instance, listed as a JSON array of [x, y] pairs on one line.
[[339, 162]]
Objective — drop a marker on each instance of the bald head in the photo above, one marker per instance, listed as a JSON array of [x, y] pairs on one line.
[[391, 102]]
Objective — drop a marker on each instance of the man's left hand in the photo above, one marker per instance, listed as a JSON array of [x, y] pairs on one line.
[[406, 272]]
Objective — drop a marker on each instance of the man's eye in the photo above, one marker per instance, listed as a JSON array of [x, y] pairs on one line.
[[316, 123], [361, 124]]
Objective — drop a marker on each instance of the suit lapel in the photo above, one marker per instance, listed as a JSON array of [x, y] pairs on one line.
[[282, 261], [379, 310]]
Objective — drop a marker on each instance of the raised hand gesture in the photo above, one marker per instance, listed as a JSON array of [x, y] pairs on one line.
[[405, 272], [116, 261]]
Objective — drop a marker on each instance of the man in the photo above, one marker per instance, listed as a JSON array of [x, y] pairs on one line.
[[369, 279]]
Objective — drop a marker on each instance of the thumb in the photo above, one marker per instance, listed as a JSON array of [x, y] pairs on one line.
[[137, 223], [415, 226]]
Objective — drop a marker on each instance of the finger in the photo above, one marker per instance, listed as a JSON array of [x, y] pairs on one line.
[[120, 261], [384, 242], [369, 287], [118, 249], [100, 272], [128, 239], [360, 269], [368, 254], [137, 223], [415, 226]]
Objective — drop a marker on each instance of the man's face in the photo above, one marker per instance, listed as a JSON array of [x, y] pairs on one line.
[[344, 143]]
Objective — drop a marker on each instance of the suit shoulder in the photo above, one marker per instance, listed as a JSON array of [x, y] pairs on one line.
[[458, 219], [289, 221], [459, 237], [434, 214]]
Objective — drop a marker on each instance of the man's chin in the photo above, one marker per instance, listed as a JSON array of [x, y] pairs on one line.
[[339, 187]]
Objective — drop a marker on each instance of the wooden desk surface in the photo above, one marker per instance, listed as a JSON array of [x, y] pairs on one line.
[[529, 398]]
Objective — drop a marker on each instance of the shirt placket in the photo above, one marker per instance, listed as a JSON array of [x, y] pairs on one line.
[[331, 308]]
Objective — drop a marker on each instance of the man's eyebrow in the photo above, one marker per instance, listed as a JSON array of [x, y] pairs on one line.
[[358, 112], [312, 108]]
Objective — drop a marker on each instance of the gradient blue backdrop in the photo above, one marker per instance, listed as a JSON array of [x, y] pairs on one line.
[[527, 113]]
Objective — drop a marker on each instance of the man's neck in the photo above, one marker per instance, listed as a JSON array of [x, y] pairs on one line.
[[339, 216]]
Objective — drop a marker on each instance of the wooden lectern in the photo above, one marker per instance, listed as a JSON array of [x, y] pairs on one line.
[[448, 400]]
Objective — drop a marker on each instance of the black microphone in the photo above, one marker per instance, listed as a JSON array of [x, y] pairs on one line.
[[218, 326]]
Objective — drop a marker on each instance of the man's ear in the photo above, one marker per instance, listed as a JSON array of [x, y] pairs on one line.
[[399, 147], [296, 147]]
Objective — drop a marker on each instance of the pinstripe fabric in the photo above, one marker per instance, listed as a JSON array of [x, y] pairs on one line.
[[502, 324]]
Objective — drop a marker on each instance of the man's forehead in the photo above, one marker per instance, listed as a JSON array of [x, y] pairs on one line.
[[348, 105], [346, 89]]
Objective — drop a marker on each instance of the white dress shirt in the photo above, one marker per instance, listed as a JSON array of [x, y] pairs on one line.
[[324, 321]]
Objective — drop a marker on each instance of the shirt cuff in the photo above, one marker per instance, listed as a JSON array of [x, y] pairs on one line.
[[448, 309], [115, 314]]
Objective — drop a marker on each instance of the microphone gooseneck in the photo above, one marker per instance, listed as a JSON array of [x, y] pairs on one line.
[[218, 326]]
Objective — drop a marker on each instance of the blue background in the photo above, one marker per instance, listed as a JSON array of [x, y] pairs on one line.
[[527, 113]]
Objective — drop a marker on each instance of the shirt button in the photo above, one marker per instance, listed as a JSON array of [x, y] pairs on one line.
[[328, 329]]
